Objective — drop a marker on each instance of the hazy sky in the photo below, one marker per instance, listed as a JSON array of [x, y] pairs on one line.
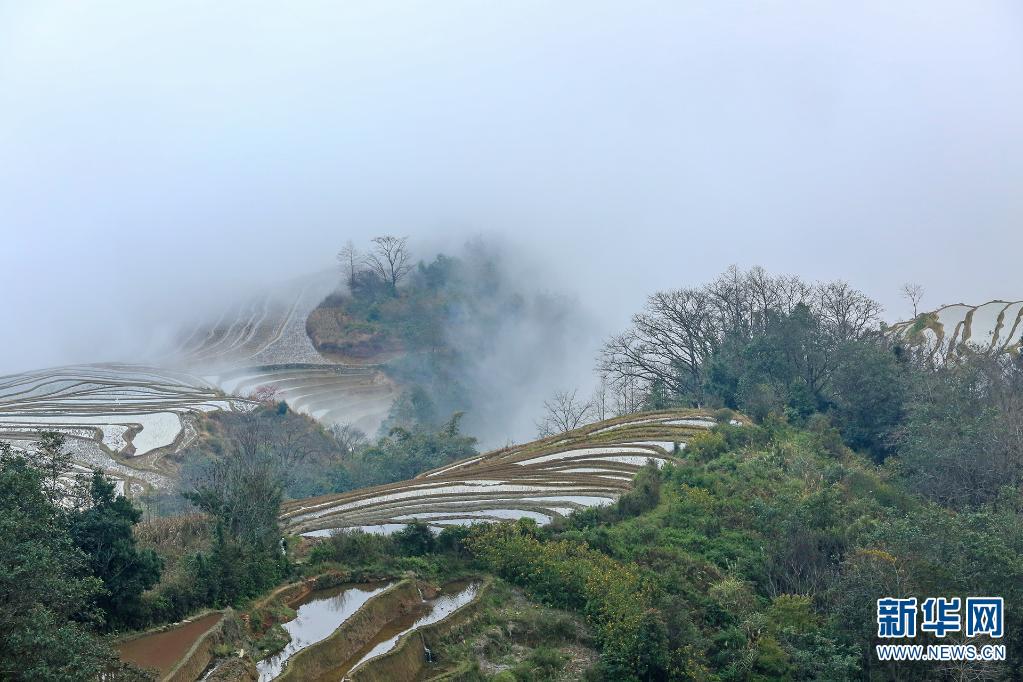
[[153, 153]]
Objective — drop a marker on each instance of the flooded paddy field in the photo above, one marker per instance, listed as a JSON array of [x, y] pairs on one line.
[[162, 650], [319, 614], [339, 631]]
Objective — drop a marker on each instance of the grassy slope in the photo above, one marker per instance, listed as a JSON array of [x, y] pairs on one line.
[[765, 553]]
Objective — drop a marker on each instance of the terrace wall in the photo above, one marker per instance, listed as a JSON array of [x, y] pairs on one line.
[[292, 593]]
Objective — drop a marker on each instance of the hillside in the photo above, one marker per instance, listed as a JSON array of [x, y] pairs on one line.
[[370, 350], [543, 480], [778, 462], [335, 331], [511, 341], [756, 552], [127, 419], [264, 344]]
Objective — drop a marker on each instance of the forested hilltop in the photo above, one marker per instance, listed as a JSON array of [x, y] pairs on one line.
[[845, 465], [446, 329]]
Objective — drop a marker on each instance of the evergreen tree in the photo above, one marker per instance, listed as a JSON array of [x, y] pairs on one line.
[[103, 530]]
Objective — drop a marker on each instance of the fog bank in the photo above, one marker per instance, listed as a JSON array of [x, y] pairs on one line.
[[162, 156]]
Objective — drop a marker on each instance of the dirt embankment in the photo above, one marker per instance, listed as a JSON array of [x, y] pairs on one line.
[[339, 337], [234, 670]]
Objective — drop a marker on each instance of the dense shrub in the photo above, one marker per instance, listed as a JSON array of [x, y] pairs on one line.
[[415, 539], [353, 547], [618, 603]]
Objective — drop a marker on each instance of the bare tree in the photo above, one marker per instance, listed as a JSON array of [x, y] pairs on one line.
[[914, 292], [627, 397], [390, 259], [848, 313], [563, 412], [243, 493], [601, 400], [668, 342], [292, 442], [285, 441], [351, 260], [265, 393], [671, 340], [348, 438]]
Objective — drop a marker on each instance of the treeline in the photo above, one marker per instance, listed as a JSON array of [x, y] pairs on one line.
[[763, 344], [780, 346], [311, 459]]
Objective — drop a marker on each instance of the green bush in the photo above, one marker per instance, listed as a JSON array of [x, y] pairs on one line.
[[415, 539], [543, 663], [617, 601], [273, 640], [352, 547]]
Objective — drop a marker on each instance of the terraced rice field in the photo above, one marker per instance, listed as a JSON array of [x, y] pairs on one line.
[[994, 327], [111, 414], [130, 409], [355, 631], [123, 417], [266, 330], [163, 650], [88, 455], [264, 343], [454, 597], [318, 615], [542, 480], [343, 394]]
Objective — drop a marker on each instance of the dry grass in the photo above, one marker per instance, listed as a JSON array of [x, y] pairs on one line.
[[175, 538]]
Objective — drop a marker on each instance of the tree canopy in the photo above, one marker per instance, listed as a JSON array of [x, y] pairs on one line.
[[48, 596]]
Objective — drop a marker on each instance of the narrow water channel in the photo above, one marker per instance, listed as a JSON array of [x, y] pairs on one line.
[[319, 614]]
